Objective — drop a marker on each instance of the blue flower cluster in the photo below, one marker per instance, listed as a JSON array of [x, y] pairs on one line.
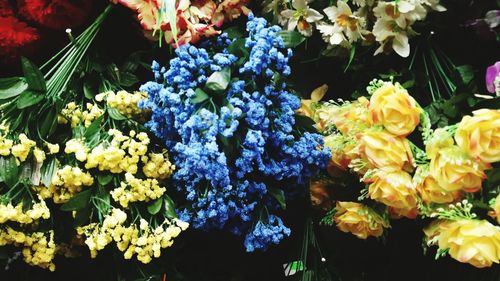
[[233, 148]]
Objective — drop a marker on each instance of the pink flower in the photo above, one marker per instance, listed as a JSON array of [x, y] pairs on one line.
[[493, 78]]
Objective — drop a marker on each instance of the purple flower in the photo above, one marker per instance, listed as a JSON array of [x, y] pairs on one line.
[[493, 77]]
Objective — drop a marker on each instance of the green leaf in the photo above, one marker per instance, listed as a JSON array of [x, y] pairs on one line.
[[28, 98], [171, 12], [291, 38], [104, 179], [33, 75], [233, 32], [466, 73], [82, 216], [219, 80], [48, 123], [155, 206], [169, 207], [352, 52], [12, 86], [87, 90], [93, 128], [199, 97], [115, 114], [77, 202], [279, 195], [47, 171], [128, 79], [9, 171]]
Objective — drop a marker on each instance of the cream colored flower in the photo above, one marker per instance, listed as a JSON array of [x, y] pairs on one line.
[[346, 27], [302, 17]]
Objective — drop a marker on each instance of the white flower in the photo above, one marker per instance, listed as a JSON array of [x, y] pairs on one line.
[[302, 17], [404, 12], [434, 5], [390, 36], [346, 25]]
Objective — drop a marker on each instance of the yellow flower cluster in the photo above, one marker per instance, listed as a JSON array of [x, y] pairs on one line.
[[157, 165], [144, 241], [15, 214], [134, 189], [125, 102], [38, 249], [23, 148], [120, 155], [74, 114], [66, 182]]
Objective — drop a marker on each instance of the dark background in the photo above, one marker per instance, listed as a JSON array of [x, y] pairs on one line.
[[219, 256]]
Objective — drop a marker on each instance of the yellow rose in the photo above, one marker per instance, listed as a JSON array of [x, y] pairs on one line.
[[454, 170], [471, 241], [479, 135], [430, 192], [320, 195], [359, 220], [339, 146], [348, 118], [440, 139], [395, 109], [394, 189], [386, 151]]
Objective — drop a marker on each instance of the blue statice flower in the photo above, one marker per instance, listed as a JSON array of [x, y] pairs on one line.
[[235, 144], [265, 234]]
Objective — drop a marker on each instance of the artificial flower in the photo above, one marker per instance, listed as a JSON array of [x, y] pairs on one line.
[[320, 195], [359, 220], [56, 14], [346, 28], [307, 105], [476, 242], [430, 192], [454, 170], [479, 135], [385, 151], [394, 189], [493, 78], [392, 107], [302, 17]]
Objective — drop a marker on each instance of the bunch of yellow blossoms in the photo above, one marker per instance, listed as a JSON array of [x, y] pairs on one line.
[[15, 214], [144, 241], [38, 249], [133, 189], [66, 182], [74, 114], [124, 102], [368, 137]]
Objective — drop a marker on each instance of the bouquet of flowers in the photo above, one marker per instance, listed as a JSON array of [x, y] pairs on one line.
[[347, 24], [369, 137], [227, 116]]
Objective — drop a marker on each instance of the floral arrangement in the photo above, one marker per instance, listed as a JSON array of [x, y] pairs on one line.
[[369, 137], [198, 157], [185, 21], [225, 113], [358, 22]]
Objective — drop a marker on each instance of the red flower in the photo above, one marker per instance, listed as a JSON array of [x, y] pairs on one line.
[[16, 38], [56, 14]]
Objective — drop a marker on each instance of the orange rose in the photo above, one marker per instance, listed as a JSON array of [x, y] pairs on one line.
[[479, 135], [394, 189], [386, 151], [320, 195], [430, 192], [392, 107], [476, 242], [454, 170], [359, 220]]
